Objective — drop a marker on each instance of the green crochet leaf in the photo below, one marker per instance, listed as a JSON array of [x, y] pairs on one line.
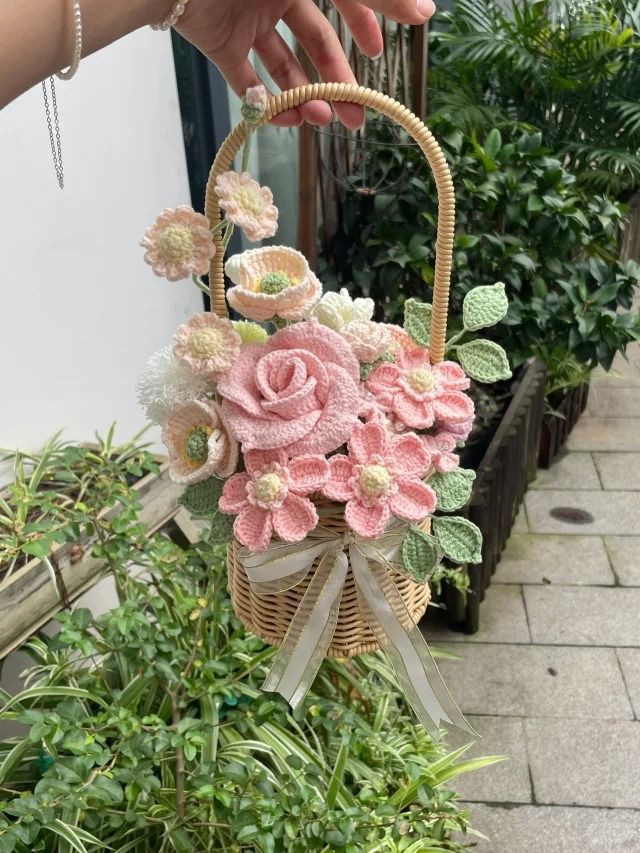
[[484, 306], [417, 321], [366, 370], [453, 489], [201, 499], [420, 554], [484, 361], [459, 539], [222, 527]]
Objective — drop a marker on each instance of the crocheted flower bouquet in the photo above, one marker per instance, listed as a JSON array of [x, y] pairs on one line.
[[310, 403]]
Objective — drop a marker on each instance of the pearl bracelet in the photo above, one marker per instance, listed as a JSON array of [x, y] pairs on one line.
[[77, 44], [172, 18]]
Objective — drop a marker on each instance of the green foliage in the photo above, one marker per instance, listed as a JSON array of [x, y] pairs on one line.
[[146, 730], [570, 70]]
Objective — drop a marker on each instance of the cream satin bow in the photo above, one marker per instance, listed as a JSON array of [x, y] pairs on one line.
[[309, 636]]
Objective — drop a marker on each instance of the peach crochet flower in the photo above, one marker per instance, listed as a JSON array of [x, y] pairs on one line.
[[419, 393], [270, 282], [336, 310], [198, 442], [367, 339], [270, 497], [299, 391], [179, 244], [381, 477], [207, 343], [247, 204], [440, 447]]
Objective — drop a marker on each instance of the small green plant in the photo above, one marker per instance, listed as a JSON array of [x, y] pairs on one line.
[[146, 730]]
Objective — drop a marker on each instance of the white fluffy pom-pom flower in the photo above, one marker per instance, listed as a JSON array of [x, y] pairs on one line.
[[166, 383]]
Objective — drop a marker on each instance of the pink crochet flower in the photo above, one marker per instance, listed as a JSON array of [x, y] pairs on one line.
[[440, 447], [256, 96], [274, 281], [418, 393], [459, 431], [198, 443], [179, 244], [247, 204], [270, 496], [299, 391], [381, 477], [207, 343]]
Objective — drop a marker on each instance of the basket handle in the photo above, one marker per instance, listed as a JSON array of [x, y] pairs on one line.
[[414, 127]]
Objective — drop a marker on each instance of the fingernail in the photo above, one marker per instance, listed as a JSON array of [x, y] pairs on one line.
[[426, 8], [377, 56]]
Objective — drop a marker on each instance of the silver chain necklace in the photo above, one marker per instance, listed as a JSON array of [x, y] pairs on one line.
[[54, 129]]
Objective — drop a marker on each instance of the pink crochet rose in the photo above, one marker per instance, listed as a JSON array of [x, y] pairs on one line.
[[381, 477], [440, 447], [299, 391], [419, 393], [270, 496], [459, 431]]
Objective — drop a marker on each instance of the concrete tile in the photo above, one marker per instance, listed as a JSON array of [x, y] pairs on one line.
[[630, 665], [572, 471], [605, 434], [583, 616], [613, 402], [613, 512], [520, 525], [550, 558], [580, 762], [506, 781], [624, 372], [555, 829], [619, 470], [502, 620], [538, 681], [624, 553]]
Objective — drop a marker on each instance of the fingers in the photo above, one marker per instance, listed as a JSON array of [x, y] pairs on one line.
[[286, 70], [321, 44], [403, 11], [241, 75], [363, 25]]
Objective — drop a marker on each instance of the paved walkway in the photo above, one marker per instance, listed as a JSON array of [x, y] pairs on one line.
[[553, 676]]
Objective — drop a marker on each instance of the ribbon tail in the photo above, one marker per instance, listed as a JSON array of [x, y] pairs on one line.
[[417, 672], [310, 632]]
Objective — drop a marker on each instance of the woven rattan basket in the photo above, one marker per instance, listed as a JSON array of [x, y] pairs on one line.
[[269, 616]]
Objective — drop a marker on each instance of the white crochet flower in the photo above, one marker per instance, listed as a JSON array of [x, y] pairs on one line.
[[166, 383], [368, 340], [336, 310]]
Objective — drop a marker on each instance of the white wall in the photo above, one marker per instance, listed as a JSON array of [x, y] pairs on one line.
[[79, 309]]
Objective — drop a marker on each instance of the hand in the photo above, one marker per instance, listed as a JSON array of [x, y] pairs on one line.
[[226, 31]]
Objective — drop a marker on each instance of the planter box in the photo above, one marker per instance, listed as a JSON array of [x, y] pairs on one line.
[[508, 466], [31, 595], [556, 430]]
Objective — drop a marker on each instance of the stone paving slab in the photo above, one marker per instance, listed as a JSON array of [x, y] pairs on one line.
[[538, 681], [582, 762], [619, 470], [613, 402], [520, 525], [553, 829], [508, 780], [624, 553], [549, 558], [572, 471], [612, 434], [502, 620], [613, 512], [624, 372], [630, 665], [585, 616]]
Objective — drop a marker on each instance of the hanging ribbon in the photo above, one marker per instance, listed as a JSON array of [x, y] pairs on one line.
[[309, 636]]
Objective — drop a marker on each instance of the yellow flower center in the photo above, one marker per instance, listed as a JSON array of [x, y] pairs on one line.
[[205, 343], [375, 480], [176, 244], [196, 448], [422, 379], [250, 200], [267, 488]]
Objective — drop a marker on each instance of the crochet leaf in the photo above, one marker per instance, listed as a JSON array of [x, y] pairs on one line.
[[366, 369], [484, 306], [484, 361], [459, 539], [417, 321], [222, 527], [201, 499], [420, 554], [453, 489]]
